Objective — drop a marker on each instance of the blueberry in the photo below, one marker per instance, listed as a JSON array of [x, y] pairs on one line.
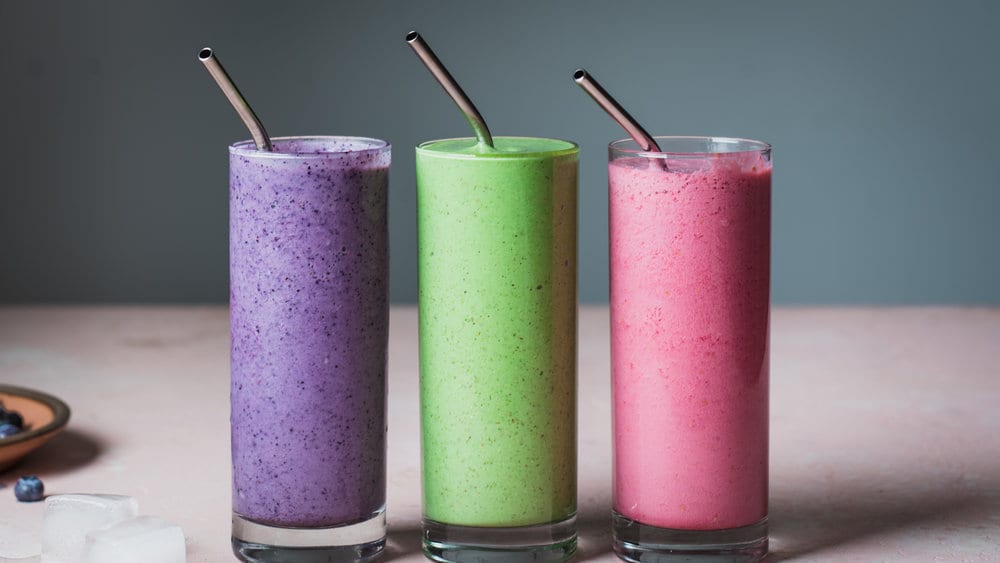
[[8, 430], [11, 417], [29, 489]]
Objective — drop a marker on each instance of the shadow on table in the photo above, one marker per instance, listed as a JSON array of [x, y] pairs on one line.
[[402, 541], [594, 533], [804, 525], [68, 450]]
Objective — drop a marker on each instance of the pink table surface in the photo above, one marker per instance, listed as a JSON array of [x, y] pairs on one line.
[[885, 426]]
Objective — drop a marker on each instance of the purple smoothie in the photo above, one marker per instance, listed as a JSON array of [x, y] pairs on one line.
[[308, 299]]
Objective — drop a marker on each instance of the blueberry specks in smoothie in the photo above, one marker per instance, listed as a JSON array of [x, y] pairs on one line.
[[308, 390]]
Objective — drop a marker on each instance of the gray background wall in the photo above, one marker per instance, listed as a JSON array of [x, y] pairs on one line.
[[882, 114]]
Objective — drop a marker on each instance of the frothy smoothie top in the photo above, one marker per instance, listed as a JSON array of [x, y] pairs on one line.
[[504, 147], [304, 147]]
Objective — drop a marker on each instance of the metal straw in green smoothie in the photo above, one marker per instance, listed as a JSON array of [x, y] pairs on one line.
[[447, 81], [496, 245]]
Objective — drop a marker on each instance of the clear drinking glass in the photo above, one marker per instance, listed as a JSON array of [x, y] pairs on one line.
[[497, 265], [690, 299], [308, 252]]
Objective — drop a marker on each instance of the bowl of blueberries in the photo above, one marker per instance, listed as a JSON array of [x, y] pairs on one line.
[[28, 419]]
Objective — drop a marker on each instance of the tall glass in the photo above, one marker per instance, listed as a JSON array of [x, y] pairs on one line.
[[308, 251], [497, 265], [690, 277]]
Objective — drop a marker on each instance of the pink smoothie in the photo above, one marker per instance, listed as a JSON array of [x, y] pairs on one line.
[[690, 259]]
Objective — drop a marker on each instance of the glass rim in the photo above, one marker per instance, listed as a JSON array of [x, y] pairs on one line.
[[249, 148], [754, 146], [573, 148]]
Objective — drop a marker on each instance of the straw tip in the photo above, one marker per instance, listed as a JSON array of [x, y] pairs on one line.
[[412, 36], [205, 54], [579, 74]]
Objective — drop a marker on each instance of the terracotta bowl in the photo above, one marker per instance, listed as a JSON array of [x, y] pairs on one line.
[[44, 416]]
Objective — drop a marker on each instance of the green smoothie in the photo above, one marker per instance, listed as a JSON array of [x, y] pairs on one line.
[[497, 265]]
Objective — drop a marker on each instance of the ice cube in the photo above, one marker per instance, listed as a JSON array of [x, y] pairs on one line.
[[68, 518], [18, 545], [146, 538]]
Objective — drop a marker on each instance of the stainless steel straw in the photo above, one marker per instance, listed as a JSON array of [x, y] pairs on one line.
[[211, 62], [441, 74], [615, 110]]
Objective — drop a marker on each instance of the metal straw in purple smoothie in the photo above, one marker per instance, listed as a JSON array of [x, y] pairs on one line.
[[228, 87], [308, 304]]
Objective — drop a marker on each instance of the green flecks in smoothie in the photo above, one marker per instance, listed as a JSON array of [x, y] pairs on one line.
[[497, 265]]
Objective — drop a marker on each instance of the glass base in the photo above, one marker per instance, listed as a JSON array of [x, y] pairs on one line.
[[523, 544], [254, 542], [639, 543]]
